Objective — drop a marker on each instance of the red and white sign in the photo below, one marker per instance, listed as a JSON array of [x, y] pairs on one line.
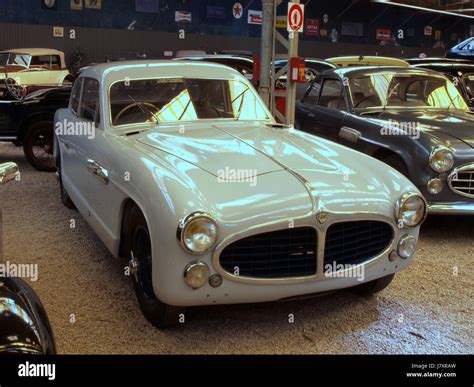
[[383, 34], [428, 31], [312, 27], [255, 17], [295, 17], [183, 17], [238, 10]]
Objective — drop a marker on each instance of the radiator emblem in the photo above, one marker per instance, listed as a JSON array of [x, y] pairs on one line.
[[322, 217]]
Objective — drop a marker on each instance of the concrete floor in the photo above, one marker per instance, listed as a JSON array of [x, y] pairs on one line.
[[427, 309]]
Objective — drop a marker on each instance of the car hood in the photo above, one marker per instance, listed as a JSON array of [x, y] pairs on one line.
[[301, 170], [255, 147], [457, 125]]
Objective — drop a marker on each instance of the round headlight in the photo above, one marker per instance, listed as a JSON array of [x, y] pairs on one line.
[[407, 247], [411, 210], [435, 186], [198, 233], [441, 159]]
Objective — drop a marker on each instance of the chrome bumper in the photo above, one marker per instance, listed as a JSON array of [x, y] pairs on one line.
[[451, 209]]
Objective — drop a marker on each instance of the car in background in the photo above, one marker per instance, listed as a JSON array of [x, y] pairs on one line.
[[463, 50], [190, 179], [428, 60], [24, 68], [313, 67], [414, 120], [243, 64], [24, 325], [462, 75], [351, 61], [29, 123]]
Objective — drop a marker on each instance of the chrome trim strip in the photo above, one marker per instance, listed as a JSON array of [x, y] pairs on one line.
[[451, 208]]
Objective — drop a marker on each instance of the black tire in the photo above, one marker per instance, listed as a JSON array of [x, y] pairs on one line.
[[397, 163], [65, 198], [38, 146], [159, 314], [373, 287]]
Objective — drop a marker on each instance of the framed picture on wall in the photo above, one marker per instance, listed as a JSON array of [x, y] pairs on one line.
[[58, 32], [77, 5], [93, 4], [49, 4]]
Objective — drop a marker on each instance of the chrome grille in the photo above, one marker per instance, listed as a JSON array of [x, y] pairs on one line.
[[461, 181], [356, 242], [287, 253]]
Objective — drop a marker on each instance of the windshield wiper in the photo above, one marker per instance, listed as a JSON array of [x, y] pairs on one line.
[[390, 93], [144, 109], [239, 112]]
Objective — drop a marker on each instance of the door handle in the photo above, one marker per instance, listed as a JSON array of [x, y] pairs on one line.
[[349, 134], [98, 171]]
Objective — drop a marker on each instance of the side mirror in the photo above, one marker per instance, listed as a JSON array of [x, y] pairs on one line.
[[8, 172]]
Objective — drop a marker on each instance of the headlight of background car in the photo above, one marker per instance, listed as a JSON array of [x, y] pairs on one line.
[[197, 233], [441, 159], [411, 210]]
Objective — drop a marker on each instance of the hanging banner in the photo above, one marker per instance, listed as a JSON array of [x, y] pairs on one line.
[[255, 17], [383, 35], [183, 17], [312, 27]]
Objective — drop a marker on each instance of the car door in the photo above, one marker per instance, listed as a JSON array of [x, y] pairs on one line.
[[74, 145], [104, 197], [323, 109]]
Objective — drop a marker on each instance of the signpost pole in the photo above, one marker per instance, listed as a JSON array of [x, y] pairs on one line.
[[291, 86], [266, 54]]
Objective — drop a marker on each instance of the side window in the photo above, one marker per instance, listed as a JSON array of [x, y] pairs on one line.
[[332, 95], [75, 95], [89, 99], [312, 95]]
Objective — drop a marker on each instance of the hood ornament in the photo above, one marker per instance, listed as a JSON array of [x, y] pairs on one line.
[[322, 217]]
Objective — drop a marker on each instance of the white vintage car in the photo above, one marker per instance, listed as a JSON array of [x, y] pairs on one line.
[[189, 178], [25, 67]]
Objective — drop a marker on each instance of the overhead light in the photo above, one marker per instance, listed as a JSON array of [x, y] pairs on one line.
[[386, 2]]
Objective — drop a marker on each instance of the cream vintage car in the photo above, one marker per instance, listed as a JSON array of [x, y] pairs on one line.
[[352, 61], [187, 176], [25, 67]]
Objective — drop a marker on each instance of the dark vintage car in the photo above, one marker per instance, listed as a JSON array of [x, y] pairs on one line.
[[242, 64], [414, 120], [427, 60], [463, 50], [29, 122], [24, 325], [462, 75]]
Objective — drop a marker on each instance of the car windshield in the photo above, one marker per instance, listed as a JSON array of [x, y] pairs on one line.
[[183, 99], [404, 90], [12, 59]]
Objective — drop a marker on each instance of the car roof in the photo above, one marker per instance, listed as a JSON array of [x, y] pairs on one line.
[[34, 51], [140, 69], [310, 60], [215, 56], [442, 65], [380, 60], [363, 70]]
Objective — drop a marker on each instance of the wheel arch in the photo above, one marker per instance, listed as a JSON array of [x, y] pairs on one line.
[[30, 120]]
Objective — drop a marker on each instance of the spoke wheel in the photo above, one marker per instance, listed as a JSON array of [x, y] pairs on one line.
[[38, 146]]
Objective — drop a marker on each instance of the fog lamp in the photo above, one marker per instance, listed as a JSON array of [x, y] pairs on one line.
[[196, 274], [407, 247], [435, 186]]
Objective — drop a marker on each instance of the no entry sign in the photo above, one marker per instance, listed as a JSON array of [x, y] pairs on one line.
[[295, 17]]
